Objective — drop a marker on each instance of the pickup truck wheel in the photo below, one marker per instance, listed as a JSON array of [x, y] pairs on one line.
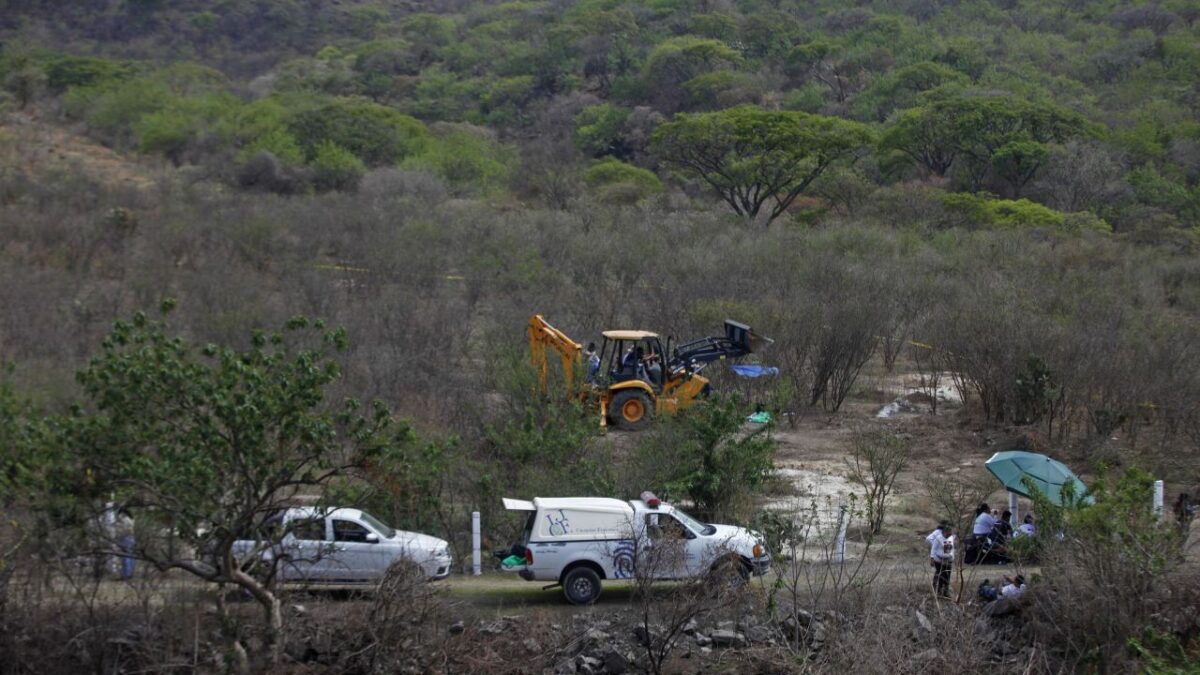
[[728, 574], [631, 410], [581, 586]]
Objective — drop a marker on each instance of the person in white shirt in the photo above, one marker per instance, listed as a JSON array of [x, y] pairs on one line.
[[984, 521], [1013, 588], [941, 558], [1026, 528]]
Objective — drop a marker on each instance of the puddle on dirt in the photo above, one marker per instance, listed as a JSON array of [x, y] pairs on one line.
[[912, 398]]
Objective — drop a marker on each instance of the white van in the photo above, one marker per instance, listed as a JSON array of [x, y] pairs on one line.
[[580, 541]]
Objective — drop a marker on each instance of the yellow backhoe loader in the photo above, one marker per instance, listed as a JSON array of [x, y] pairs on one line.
[[633, 378]]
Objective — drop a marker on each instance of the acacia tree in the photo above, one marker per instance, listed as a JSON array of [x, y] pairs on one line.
[[203, 445], [753, 157], [1002, 134]]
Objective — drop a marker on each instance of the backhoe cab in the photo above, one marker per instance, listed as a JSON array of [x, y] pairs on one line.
[[638, 378]]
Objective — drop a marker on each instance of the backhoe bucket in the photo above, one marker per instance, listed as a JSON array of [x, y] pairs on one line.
[[741, 336]]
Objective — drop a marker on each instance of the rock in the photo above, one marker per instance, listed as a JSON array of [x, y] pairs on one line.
[[816, 635], [923, 622], [706, 650], [597, 637], [834, 617], [999, 608], [456, 628], [531, 646], [493, 628], [760, 634], [727, 638], [702, 640], [299, 610], [588, 664], [615, 663], [724, 625], [642, 635], [926, 656], [690, 627]]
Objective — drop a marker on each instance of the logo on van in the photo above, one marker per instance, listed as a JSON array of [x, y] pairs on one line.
[[560, 526], [622, 558]]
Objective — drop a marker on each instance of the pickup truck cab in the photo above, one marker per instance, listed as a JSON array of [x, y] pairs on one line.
[[345, 546], [580, 541]]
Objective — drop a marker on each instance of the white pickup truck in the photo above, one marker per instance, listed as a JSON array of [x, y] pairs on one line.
[[344, 546], [580, 541]]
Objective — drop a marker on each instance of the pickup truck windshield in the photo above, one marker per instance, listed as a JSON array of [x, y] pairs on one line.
[[694, 524], [379, 527]]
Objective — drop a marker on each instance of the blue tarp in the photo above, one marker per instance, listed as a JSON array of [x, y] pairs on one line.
[[751, 370]]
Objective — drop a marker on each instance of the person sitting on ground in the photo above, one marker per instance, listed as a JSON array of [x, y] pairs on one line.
[[984, 522], [1013, 588], [1026, 528], [1003, 527]]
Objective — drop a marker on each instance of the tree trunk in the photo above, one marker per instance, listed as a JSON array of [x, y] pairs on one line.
[[272, 613]]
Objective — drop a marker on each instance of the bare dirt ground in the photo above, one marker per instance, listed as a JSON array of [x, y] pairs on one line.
[[42, 149]]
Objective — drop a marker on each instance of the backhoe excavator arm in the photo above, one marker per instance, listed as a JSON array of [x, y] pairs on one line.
[[542, 336], [738, 341]]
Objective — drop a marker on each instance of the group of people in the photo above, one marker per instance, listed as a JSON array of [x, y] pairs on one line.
[[990, 534]]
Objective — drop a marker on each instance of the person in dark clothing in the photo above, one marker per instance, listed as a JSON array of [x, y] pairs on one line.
[[1003, 528]]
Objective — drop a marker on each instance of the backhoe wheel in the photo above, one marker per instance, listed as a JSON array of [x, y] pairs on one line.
[[631, 410]]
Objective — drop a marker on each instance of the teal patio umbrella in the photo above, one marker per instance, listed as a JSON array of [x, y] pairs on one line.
[[1014, 468]]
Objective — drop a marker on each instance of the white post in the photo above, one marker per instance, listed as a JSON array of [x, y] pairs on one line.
[[839, 546], [109, 520], [1012, 506], [1158, 498], [476, 556]]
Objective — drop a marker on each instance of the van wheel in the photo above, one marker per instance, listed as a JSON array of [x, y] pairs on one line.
[[631, 410], [581, 585], [728, 574]]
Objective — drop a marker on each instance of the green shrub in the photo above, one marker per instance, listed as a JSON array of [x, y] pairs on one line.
[[279, 143], [981, 211], [336, 168], [704, 456], [598, 130], [617, 181], [375, 134], [64, 72], [466, 158]]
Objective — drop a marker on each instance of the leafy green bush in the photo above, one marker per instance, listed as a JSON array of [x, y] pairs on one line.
[[704, 456], [64, 72], [467, 158], [621, 182], [598, 130], [981, 211], [375, 134], [336, 168]]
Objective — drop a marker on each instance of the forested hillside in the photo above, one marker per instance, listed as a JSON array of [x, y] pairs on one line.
[[1013, 183], [1084, 108]]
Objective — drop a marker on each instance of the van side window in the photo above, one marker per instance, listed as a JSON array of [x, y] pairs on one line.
[[348, 530], [662, 526], [312, 529]]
